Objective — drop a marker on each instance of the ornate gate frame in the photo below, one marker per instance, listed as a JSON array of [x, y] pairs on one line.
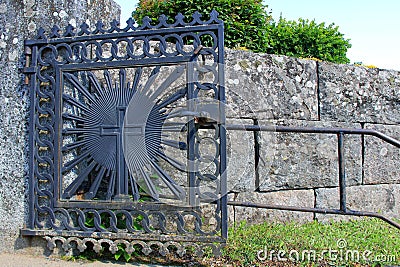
[[60, 73]]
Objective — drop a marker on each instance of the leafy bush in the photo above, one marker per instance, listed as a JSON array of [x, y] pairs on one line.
[[248, 25], [307, 39], [245, 20]]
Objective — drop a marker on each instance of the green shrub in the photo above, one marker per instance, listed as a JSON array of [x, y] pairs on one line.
[[307, 39], [245, 20], [248, 25]]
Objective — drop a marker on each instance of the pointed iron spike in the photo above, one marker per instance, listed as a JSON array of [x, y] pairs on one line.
[[69, 31], [163, 19], [214, 16], [84, 25], [99, 27], [146, 22], [130, 20], [84, 29], [179, 19], [130, 24], [214, 13], [41, 34], [114, 26], [197, 17], [55, 32]]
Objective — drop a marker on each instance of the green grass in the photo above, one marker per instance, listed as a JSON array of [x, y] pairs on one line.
[[370, 237], [378, 241]]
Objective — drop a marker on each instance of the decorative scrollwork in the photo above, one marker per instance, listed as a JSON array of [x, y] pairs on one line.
[[147, 247], [97, 172]]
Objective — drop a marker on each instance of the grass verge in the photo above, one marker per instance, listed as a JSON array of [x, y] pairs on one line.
[[366, 242]]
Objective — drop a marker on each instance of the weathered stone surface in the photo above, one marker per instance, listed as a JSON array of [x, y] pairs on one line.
[[358, 94], [258, 86], [298, 198], [19, 20], [296, 161], [271, 87], [384, 199], [240, 157], [382, 160], [328, 198], [231, 209]]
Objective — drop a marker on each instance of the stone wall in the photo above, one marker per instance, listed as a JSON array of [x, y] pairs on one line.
[[20, 20], [302, 169], [293, 169]]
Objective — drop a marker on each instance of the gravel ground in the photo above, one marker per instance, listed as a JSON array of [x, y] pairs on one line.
[[23, 260]]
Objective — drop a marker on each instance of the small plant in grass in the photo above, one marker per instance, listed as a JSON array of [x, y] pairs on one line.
[[121, 224]]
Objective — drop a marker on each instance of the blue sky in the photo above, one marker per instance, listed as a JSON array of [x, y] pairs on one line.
[[372, 26]]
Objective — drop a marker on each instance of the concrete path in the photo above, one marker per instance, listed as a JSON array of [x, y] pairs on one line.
[[23, 260]]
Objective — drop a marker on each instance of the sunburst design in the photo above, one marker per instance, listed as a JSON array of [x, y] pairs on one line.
[[113, 119]]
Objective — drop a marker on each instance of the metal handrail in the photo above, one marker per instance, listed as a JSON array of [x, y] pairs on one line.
[[316, 210], [323, 130], [340, 132]]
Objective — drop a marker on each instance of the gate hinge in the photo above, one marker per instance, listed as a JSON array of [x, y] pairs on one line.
[[29, 70]]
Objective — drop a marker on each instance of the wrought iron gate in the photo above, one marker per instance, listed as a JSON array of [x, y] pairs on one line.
[[116, 135], [127, 137]]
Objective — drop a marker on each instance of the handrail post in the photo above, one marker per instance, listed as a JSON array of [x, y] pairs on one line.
[[342, 172]]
